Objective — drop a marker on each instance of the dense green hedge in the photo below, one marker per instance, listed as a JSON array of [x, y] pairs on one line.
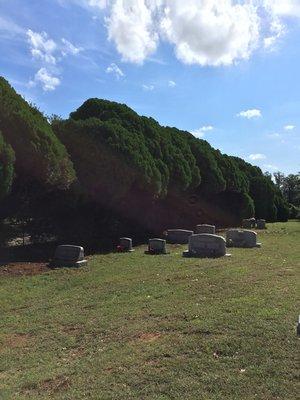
[[7, 160], [105, 156], [39, 153]]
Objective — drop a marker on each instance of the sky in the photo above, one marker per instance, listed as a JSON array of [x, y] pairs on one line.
[[225, 70]]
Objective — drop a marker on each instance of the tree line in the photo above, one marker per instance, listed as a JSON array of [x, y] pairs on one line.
[[106, 170]]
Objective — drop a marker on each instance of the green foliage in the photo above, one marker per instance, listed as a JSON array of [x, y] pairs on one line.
[[39, 153], [7, 160], [263, 193]]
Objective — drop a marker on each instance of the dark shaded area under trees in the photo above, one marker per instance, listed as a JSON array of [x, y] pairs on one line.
[[107, 172]]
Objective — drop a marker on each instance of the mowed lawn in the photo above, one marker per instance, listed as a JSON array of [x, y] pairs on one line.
[[134, 326]]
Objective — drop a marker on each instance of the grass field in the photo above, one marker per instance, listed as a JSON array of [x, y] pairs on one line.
[[132, 326]]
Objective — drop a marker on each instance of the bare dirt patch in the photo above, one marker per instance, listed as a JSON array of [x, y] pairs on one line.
[[23, 269], [56, 384], [16, 340], [149, 337]]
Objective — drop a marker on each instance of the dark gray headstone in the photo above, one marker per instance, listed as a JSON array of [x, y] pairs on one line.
[[206, 245], [241, 238], [205, 228], [125, 244], [178, 236], [156, 246], [248, 223], [261, 224], [69, 256]]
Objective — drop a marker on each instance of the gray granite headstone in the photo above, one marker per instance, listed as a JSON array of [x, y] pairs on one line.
[[125, 244], [205, 228], [206, 245], [261, 224], [241, 238], [178, 236], [69, 256], [156, 246]]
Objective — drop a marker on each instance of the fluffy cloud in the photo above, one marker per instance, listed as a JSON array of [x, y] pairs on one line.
[[48, 81], [253, 113], [289, 127], [41, 47], [114, 69], [257, 156], [204, 32], [171, 84], [48, 53], [130, 26], [200, 133]]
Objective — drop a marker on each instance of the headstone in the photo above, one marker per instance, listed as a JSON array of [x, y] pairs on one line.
[[248, 223], [241, 238], [261, 224], [156, 246], [205, 228], [125, 245], [69, 256], [206, 245], [178, 236], [298, 326]]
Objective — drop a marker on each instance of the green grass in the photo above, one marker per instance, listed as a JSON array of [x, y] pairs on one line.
[[132, 326]]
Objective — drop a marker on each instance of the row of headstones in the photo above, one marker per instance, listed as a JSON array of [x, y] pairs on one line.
[[254, 223], [203, 243]]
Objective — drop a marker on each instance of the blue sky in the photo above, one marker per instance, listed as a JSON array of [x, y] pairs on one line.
[[227, 71]]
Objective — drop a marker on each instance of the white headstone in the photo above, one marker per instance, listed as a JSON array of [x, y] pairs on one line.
[[206, 245], [178, 236], [241, 238]]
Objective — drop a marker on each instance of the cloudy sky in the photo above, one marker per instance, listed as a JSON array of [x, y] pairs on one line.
[[225, 70]]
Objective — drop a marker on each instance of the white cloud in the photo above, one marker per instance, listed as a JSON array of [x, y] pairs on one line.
[[289, 127], [69, 48], [131, 27], [204, 32], [46, 79], [257, 156], [200, 133], [48, 53], [41, 47], [287, 8], [114, 69], [171, 84], [148, 88], [253, 113]]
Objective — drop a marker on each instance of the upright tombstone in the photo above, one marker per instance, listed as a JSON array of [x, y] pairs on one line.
[[261, 224], [178, 236], [241, 238], [69, 256], [156, 246], [125, 245], [205, 228], [248, 223], [206, 245]]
